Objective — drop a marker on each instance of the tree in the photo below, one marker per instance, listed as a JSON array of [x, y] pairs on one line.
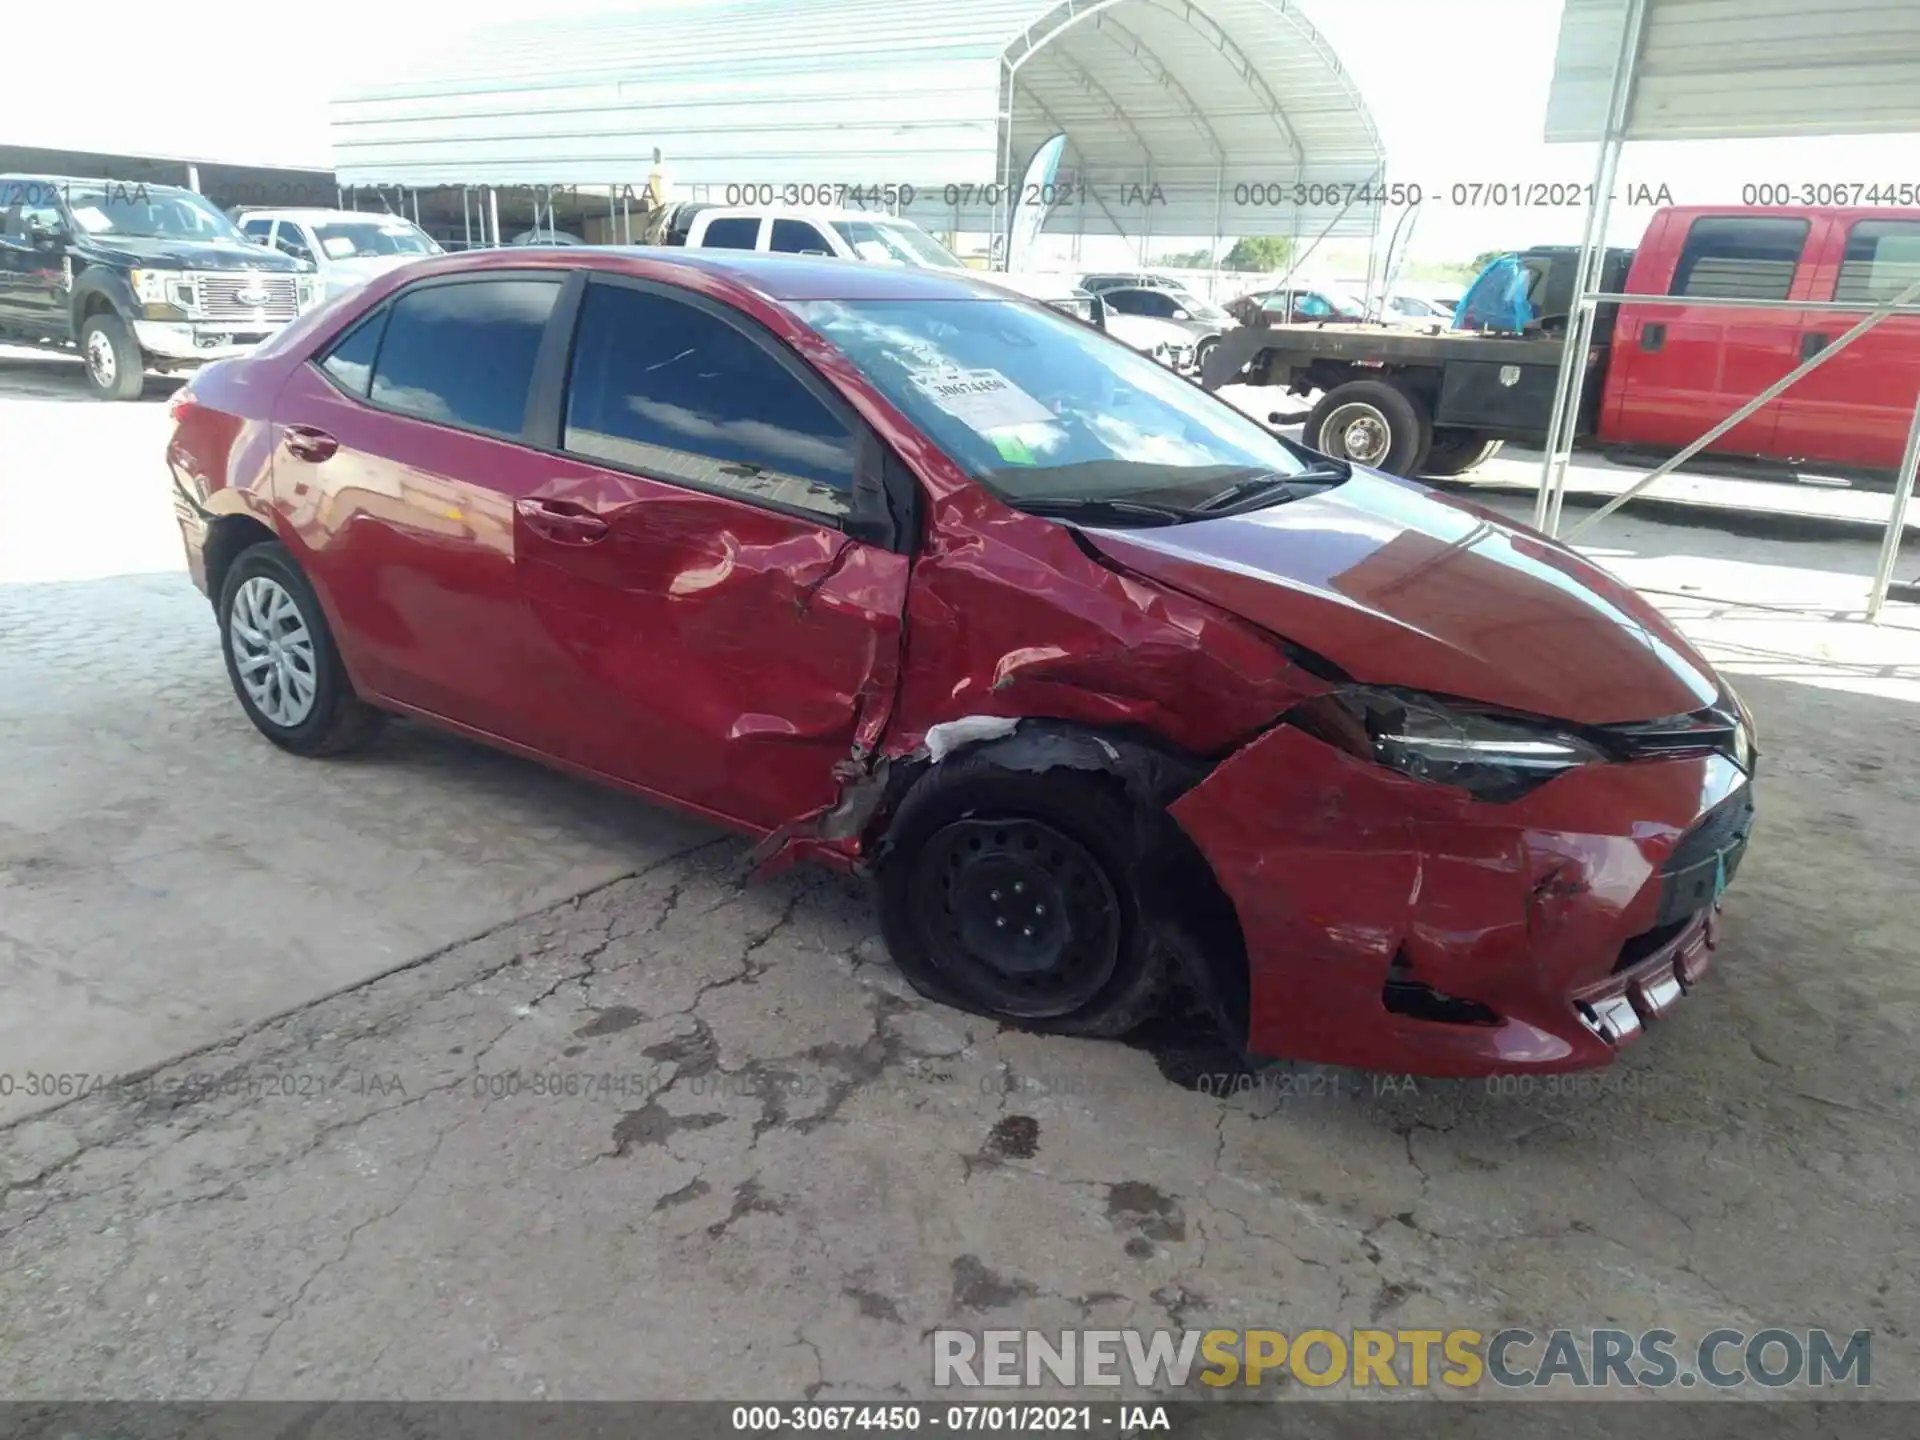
[[1187, 259], [1486, 258], [1260, 252]]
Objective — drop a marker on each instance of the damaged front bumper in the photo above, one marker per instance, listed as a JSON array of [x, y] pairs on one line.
[[1393, 924]]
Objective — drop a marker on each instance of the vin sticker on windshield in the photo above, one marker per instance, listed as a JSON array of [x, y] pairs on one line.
[[983, 400]]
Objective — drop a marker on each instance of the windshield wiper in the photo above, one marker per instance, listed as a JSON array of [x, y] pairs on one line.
[[1269, 487], [1111, 512]]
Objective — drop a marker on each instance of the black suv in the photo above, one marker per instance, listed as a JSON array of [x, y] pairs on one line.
[[137, 276]]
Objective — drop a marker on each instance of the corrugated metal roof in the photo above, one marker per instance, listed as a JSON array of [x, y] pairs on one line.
[[1183, 116], [1724, 69]]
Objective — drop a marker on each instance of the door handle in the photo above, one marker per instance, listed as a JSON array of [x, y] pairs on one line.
[[1812, 342], [561, 521], [307, 443], [1653, 336]]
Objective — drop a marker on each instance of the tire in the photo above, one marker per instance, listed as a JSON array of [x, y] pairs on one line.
[[265, 594], [1400, 425], [1455, 451], [1202, 351], [116, 370], [1094, 968]]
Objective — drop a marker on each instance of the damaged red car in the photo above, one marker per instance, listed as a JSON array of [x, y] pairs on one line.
[[1113, 692]]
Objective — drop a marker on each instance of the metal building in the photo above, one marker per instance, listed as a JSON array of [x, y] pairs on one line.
[[1183, 117]]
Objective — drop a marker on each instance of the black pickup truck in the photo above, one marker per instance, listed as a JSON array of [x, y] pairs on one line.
[[139, 277]]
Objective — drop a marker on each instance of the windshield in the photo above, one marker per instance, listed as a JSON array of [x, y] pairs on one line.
[[116, 209], [1198, 306], [1038, 408], [895, 243], [362, 239]]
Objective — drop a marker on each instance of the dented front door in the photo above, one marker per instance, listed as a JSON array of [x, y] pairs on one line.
[[708, 650], [711, 629]]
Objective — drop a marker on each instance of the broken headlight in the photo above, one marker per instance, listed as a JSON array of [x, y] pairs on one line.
[[1491, 755]]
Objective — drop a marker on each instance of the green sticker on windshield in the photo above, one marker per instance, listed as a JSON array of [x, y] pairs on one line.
[[1012, 448]]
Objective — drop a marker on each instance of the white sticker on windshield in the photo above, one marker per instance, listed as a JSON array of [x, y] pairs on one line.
[[337, 246], [91, 219], [982, 400]]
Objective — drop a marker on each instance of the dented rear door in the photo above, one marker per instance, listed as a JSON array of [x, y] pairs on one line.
[[711, 630]]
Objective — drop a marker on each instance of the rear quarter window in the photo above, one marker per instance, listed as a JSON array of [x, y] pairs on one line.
[[1882, 259], [1740, 258]]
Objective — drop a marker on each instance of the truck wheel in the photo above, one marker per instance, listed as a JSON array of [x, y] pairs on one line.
[[1456, 451], [116, 370], [1372, 423]]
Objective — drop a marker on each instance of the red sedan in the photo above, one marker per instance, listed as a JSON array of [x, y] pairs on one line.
[[1111, 690]]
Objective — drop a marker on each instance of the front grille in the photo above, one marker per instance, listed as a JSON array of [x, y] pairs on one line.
[[1706, 858], [1726, 824], [246, 295]]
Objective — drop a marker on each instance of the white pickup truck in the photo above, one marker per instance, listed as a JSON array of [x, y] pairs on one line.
[[881, 239]]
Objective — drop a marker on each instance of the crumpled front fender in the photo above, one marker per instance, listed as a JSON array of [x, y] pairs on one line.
[[1340, 869]]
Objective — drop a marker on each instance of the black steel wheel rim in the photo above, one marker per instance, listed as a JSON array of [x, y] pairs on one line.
[[1018, 915]]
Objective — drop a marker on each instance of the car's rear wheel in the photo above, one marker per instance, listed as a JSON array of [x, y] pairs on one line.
[[1455, 451], [116, 370], [282, 659], [1371, 423], [1007, 893]]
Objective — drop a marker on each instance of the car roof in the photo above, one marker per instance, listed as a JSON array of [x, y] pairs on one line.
[[777, 277], [800, 212]]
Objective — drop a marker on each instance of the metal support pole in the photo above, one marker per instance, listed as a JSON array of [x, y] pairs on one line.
[[493, 210], [466, 220], [1813, 362], [626, 218], [1896, 520], [1565, 420], [193, 178]]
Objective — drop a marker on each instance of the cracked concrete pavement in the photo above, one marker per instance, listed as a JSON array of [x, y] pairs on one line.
[[680, 1136]]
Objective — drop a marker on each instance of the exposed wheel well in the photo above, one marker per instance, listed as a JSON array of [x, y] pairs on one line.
[[95, 304], [1197, 918], [226, 538]]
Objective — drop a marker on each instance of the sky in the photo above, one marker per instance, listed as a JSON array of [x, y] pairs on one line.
[[1457, 89]]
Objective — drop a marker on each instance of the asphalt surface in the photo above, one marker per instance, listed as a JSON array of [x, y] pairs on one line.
[[557, 1106]]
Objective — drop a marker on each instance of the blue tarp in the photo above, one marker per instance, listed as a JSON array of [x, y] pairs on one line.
[[1497, 300]]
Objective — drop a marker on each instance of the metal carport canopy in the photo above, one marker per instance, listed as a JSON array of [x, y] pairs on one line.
[[1728, 69], [1226, 106]]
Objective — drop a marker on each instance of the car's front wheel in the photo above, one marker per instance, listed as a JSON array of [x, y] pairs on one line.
[[282, 659], [116, 370], [1010, 894]]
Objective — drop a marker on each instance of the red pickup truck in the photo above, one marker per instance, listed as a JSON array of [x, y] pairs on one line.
[[1662, 375]]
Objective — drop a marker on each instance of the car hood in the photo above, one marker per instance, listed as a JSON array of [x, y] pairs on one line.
[[168, 253], [1400, 586]]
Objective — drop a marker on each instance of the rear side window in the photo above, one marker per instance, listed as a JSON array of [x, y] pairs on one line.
[[1740, 259], [794, 237], [350, 362], [1882, 259], [733, 233], [463, 354], [674, 392]]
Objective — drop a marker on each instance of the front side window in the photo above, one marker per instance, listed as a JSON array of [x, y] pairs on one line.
[[796, 237], [463, 354], [1740, 258], [736, 232], [672, 391], [1038, 408], [258, 228], [1882, 259], [288, 240]]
